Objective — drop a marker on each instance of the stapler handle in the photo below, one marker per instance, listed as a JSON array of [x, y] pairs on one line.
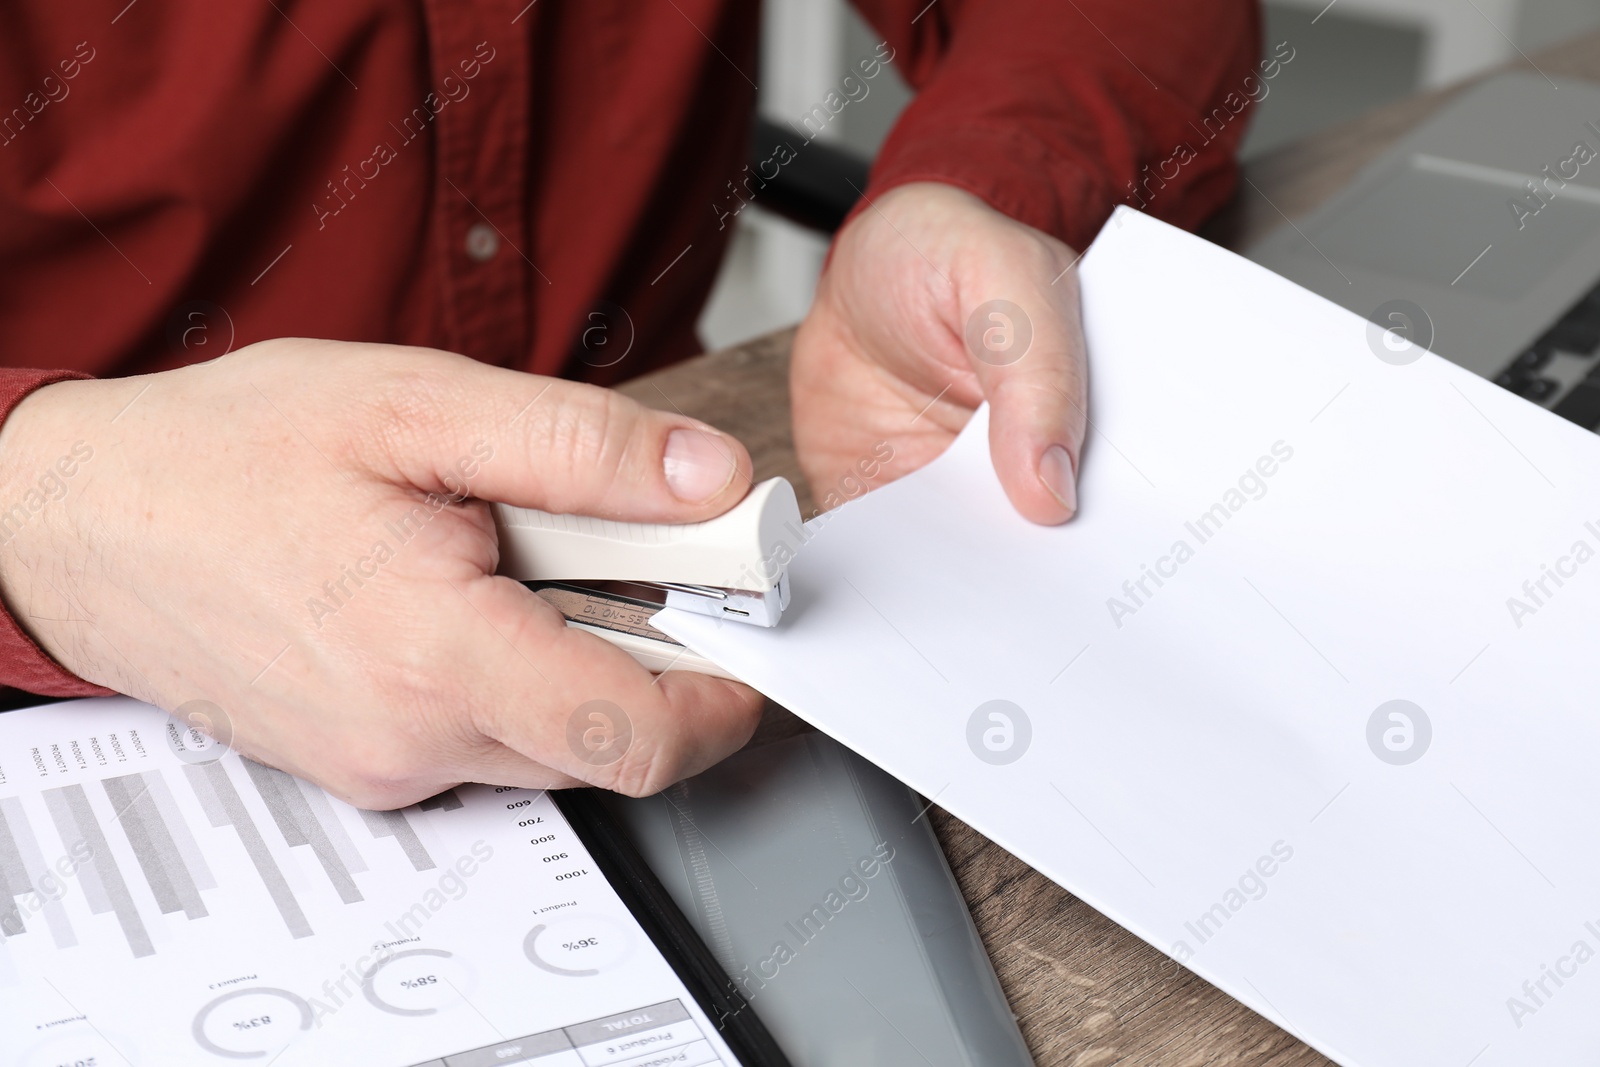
[[742, 549], [739, 549]]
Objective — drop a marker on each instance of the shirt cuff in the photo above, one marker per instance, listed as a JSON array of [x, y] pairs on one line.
[[1007, 169], [23, 664]]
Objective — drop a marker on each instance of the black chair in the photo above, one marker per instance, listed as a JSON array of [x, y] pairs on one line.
[[817, 188]]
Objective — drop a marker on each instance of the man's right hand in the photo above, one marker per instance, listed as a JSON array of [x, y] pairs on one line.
[[258, 532]]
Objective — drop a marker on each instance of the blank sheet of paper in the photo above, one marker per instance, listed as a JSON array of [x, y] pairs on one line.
[[1305, 696]]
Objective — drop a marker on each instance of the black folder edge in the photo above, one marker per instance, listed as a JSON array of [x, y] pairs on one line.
[[622, 865]]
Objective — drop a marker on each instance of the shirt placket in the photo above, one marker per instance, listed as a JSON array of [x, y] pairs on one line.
[[481, 174]]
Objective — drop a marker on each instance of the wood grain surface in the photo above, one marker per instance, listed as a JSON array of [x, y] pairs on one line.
[[1085, 992]]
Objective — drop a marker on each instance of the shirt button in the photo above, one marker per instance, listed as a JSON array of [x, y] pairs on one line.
[[482, 242]]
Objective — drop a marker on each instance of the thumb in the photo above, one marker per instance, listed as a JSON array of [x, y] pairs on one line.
[[1028, 354], [563, 447]]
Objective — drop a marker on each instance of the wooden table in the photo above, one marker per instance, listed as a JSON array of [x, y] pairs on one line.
[[1086, 992]]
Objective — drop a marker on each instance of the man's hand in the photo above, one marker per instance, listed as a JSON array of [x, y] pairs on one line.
[[932, 303], [281, 532]]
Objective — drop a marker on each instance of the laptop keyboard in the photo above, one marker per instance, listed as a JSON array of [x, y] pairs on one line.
[[1561, 370]]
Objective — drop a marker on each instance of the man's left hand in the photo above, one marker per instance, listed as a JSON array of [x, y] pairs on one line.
[[932, 303]]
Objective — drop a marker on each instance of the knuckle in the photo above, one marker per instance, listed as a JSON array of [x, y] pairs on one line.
[[359, 794], [644, 770], [584, 440], [396, 737], [407, 409], [382, 774]]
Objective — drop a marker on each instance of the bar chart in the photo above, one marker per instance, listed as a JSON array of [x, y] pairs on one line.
[[23, 871], [159, 911], [393, 824], [301, 828], [169, 859], [102, 878], [225, 808]]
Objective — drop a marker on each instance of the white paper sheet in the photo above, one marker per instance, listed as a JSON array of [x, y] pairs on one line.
[[168, 906], [1197, 764]]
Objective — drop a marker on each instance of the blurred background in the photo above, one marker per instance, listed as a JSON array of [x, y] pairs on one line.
[[1350, 56]]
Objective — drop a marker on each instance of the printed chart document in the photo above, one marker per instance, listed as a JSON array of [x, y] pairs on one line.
[[165, 902], [1305, 696]]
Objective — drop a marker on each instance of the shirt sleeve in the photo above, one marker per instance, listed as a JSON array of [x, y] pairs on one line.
[[23, 664], [1056, 111]]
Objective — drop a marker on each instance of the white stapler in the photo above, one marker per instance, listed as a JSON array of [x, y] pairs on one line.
[[610, 578]]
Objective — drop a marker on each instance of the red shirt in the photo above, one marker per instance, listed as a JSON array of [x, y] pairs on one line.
[[178, 177]]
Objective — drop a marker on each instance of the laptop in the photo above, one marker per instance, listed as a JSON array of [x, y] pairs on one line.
[[1477, 236]]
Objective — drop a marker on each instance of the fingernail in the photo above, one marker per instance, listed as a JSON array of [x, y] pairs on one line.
[[698, 466], [1055, 471]]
